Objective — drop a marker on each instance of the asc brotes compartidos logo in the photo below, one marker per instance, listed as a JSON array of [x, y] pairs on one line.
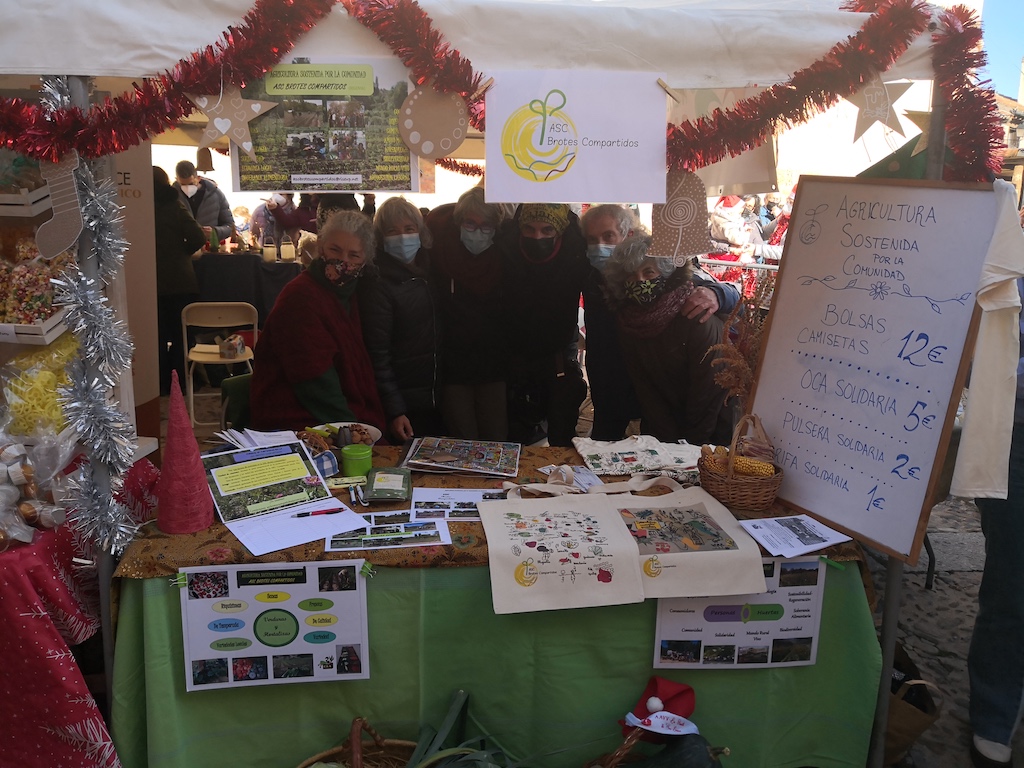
[[539, 141]]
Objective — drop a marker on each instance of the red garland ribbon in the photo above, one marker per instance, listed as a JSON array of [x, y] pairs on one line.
[[268, 31], [841, 72], [466, 169], [271, 28]]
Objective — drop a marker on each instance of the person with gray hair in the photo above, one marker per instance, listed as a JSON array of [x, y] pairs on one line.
[[466, 270], [667, 354], [611, 390], [400, 321], [311, 365]]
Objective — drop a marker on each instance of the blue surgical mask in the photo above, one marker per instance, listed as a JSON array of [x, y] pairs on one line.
[[402, 247], [599, 253], [476, 241]]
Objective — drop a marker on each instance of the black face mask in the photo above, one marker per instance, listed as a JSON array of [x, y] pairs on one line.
[[538, 249]]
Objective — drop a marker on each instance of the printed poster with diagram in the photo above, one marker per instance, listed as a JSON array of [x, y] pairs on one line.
[[246, 625], [335, 128], [779, 628], [690, 545], [562, 552]]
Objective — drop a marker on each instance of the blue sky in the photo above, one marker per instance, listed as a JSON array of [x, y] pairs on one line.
[[1002, 23]]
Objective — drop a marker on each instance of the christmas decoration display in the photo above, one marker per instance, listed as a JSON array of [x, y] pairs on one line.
[[679, 226], [433, 124], [875, 104], [229, 116], [184, 503], [61, 231]]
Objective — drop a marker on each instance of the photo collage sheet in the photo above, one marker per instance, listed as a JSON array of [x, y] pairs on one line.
[[247, 625]]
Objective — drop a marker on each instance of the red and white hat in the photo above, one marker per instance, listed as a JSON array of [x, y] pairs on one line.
[[733, 203], [663, 708]]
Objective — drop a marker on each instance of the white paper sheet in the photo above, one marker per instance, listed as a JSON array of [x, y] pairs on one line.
[[563, 552], [778, 628], [274, 623], [393, 534], [792, 536], [451, 503]]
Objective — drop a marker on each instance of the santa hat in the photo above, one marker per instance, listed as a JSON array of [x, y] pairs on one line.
[[184, 503], [731, 203], [555, 214], [663, 709]]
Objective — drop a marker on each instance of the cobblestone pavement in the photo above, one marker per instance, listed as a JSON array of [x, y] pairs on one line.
[[935, 627]]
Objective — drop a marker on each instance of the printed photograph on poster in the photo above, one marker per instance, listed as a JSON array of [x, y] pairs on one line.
[[272, 624], [451, 503], [335, 128], [779, 628], [391, 530]]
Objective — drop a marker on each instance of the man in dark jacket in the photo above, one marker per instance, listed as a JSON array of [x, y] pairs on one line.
[[208, 204], [544, 265], [611, 389]]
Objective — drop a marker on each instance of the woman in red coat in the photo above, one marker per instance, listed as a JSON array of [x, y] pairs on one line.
[[311, 364]]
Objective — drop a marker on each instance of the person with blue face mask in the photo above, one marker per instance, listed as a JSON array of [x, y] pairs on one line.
[[611, 389], [400, 322], [466, 270]]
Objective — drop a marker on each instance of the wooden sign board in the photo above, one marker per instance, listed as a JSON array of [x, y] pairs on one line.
[[866, 349]]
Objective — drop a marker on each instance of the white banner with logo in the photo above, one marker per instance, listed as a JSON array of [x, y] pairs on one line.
[[575, 136]]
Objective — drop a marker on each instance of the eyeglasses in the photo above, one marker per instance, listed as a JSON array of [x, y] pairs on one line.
[[469, 226]]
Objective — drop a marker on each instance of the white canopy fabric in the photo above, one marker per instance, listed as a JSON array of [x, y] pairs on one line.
[[696, 43]]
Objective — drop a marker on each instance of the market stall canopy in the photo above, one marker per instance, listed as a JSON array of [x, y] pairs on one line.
[[695, 43]]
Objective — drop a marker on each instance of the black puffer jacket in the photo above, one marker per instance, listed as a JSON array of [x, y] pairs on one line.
[[399, 314]]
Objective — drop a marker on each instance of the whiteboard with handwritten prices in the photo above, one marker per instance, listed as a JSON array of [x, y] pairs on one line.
[[866, 348]]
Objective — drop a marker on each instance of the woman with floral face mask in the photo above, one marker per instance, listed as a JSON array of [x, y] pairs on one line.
[[667, 354], [400, 321], [466, 271], [311, 364]]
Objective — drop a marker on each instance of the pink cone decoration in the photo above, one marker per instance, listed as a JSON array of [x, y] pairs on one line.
[[184, 503]]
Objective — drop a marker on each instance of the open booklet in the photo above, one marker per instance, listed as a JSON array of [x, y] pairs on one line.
[[443, 454], [274, 497]]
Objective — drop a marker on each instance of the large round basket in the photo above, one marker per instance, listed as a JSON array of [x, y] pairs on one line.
[[356, 753], [735, 491]]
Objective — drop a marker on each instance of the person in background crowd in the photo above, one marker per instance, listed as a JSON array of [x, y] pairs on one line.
[[400, 322], [291, 219], [466, 272], [995, 661], [241, 216], [178, 236], [772, 206], [208, 204], [261, 225], [752, 212], [311, 365], [668, 355], [611, 389], [544, 264], [770, 249]]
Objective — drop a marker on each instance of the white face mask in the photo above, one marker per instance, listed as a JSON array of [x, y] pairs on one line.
[[402, 247], [599, 253], [189, 189], [476, 241]]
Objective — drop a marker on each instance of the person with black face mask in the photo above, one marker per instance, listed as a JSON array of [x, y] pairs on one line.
[[466, 271], [544, 266], [311, 365]]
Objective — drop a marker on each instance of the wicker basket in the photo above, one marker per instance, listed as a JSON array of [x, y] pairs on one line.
[[356, 753], [741, 491]]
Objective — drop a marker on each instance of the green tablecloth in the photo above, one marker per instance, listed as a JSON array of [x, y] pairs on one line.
[[538, 682]]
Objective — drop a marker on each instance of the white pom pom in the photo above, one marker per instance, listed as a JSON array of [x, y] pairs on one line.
[[654, 704]]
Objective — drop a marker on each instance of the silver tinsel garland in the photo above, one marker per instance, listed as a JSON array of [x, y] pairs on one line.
[[106, 433]]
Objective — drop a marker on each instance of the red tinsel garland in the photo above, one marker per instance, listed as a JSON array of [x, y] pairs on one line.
[[841, 72], [271, 28], [466, 169], [268, 31]]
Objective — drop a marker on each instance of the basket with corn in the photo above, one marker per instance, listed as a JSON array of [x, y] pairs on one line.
[[742, 476]]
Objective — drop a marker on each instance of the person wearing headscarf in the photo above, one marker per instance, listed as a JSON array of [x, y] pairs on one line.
[[466, 270], [400, 322], [668, 355], [544, 267], [311, 365]]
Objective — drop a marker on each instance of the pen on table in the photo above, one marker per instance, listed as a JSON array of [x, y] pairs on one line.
[[318, 512]]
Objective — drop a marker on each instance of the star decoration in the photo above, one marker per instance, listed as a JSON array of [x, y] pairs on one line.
[[922, 120], [229, 116], [875, 102]]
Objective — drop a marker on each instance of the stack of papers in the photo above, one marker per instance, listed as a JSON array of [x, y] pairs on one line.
[[442, 454], [250, 438], [792, 536]]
